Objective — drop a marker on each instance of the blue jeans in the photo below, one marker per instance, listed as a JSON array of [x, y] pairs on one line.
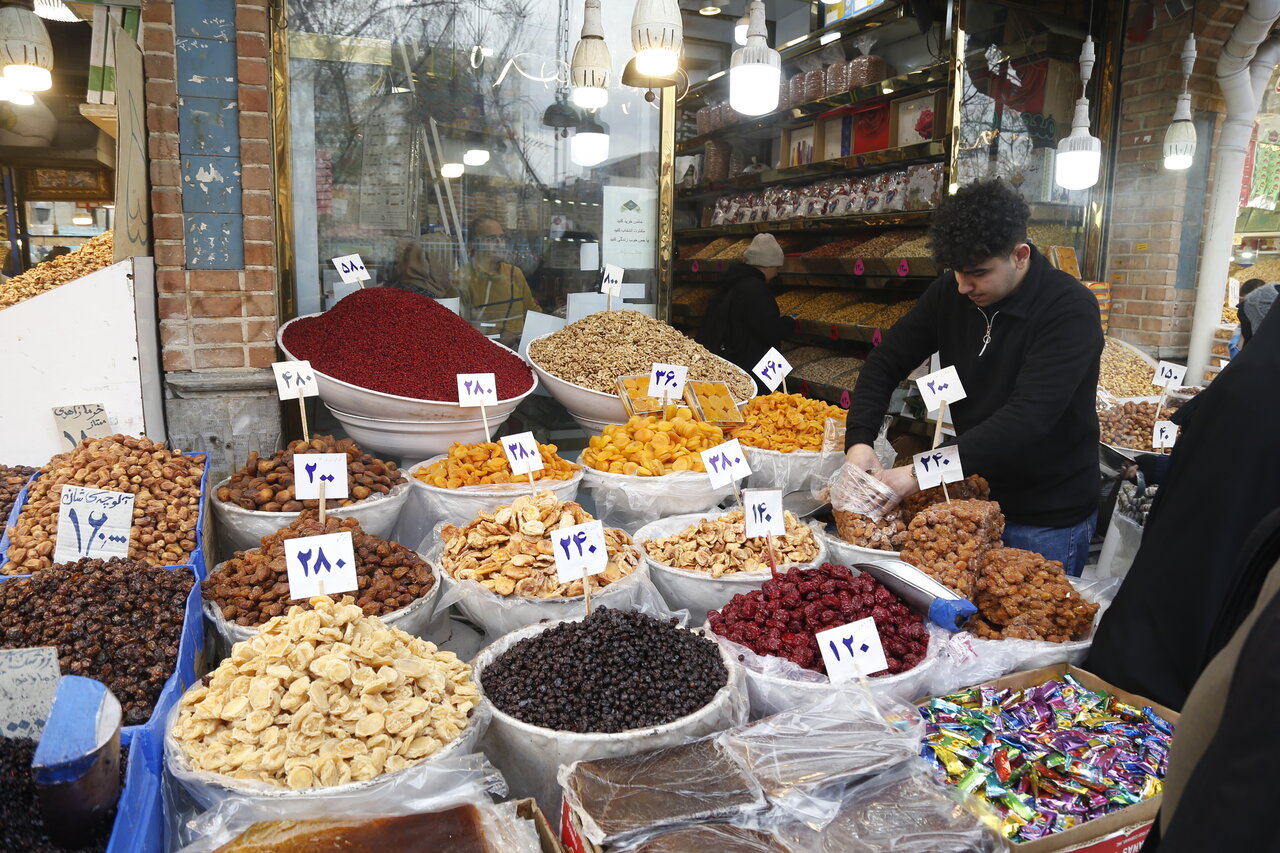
[[1067, 545]]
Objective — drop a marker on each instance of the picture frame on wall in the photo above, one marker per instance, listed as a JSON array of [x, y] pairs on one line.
[[917, 119], [51, 184]]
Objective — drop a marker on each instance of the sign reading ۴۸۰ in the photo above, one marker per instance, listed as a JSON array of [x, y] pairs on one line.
[[93, 523], [320, 565], [295, 379], [725, 463], [579, 551], [937, 466], [77, 423], [772, 368], [312, 469], [762, 513]]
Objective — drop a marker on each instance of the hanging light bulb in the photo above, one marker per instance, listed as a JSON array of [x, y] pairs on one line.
[[589, 71], [20, 98], [451, 170], [1079, 158], [1180, 138], [55, 10], [740, 29], [26, 54], [709, 9], [475, 157], [657, 34], [81, 217], [590, 144], [755, 70]]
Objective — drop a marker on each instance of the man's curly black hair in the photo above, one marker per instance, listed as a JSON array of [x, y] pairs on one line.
[[981, 221]]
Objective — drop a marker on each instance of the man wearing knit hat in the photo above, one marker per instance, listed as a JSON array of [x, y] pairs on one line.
[[742, 320]]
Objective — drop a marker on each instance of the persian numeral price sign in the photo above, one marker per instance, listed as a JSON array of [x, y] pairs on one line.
[[725, 463], [522, 453], [852, 650], [763, 513], [667, 380], [1164, 434], [1169, 375], [477, 389], [313, 562], [93, 523], [611, 281], [28, 682], [772, 369], [351, 268], [292, 376], [579, 551], [937, 466], [941, 386], [312, 469], [76, 423]]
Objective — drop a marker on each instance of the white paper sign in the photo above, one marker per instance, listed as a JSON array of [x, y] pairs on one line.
[[941, 385], [453, 303], [522, 453], [477, 389], [725, 463], [312, 469], [76, 423], [351, 268], [771, 369], [1169, 375], [667, 380], [852, 650], [1164, 434], [314, 561], [940, 465], [763, 512], [579, 551], [28, 682], [93, 523], [292, 375], [611, 281]]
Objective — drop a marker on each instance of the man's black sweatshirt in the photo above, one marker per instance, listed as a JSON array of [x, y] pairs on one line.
[[1029, 423]]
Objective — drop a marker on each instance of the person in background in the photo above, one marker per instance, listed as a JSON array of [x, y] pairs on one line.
[[1237, 338], [742, 320], [56, 252], [1253, 308], [1026, 340], [495, 295], [413, 271]]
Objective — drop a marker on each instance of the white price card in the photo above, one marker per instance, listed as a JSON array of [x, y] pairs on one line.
[[1164, 434], [725, 463], [312, 469], [667, 380], [579, 551], [93, 523], [1169, 375], [763, 509], [937, 466], [76, 423], [292, 376], [771, 369], [477, 389], [852, 650], [351, 268], [939, 386], [522, 453], [320, 565], [28, 682], [611, 281]]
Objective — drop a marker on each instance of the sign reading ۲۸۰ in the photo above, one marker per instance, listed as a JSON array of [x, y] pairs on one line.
[[320, 565], [477, 389]]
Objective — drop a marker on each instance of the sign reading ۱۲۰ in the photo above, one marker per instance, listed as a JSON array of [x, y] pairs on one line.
[[852, 650], [294, 379], [772, 368], [93, 523], [76, 423], [725, 463], [320, 565], [763, 513], [522, 453], [579, 551], [312, 469]]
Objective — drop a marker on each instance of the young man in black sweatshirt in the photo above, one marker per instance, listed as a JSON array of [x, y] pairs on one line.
[[1025, 340]]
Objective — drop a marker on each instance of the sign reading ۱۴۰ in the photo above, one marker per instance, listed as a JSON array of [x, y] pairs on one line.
[[763, 513]]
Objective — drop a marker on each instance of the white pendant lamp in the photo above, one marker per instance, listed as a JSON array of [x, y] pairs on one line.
[[755, 71], [657, 34], [1079, 159], [26, 54], [475, 157], [740, 29], [1180, 138], [590, 143], [452, 170], [55, 10], [589, 71]]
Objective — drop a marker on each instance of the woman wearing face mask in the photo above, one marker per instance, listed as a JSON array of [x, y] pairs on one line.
[[495, 295]]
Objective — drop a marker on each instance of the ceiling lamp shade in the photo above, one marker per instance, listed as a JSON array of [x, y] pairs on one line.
[[590, 145], [561, 114], [589, 71], [1079, 158], [475, 157], [55, 10], [451, 170], [709, 9], [26, 54], [81, 217], [740, 29], [657, 34], [755, 71], [1180, 138]]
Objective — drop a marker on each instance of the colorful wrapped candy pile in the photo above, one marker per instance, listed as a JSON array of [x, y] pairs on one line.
[[1048, 757]]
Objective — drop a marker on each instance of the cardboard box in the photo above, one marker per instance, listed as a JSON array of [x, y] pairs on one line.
[[800, 145], [871, 129], [528, 809]]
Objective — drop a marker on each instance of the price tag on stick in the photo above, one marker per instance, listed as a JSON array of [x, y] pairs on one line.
[[296, 380], [666, 381], [522, 453], [763, 509], [937, 466], [580, 552], [941, 386], [1164, 434], [611, 281], [93, 523], [725, 463], [310, 470], [76, 423], [852, 651], [772, 370], [320, 565], [478, 389], [1169, 375], [351, 268]]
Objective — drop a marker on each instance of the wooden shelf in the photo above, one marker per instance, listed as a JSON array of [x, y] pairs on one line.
[[799, 266], [102, 115], [820, 223]]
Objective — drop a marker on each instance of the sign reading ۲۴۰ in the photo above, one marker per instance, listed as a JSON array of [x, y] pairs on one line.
[[938, 466], [579, 551]]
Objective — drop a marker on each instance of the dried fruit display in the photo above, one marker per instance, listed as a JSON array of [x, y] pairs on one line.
[[22, 827], [94, 254], [266, 484], [1045, 236], [947, 541], [715, 402], [734, 252], [826, 303], [1131, 425], [719, 546], [1124, 373], [887, 533], [485, 463], [1023, 596], [917, 247], [786, 422], [12, 479], [652, 445], [828, 369], [800, 356], [972, 488]]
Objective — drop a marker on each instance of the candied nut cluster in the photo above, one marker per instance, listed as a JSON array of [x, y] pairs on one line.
[[166, 505], [12, 479], [650, 446], [1021, 595], [884, 534], [253, 586], [1123, 372], [266, 484], [324, 697], [510, 551], [948, 541], [485, 463], [719, 546], [94, 254], [786, 422], [971, 488], [1131, 425]]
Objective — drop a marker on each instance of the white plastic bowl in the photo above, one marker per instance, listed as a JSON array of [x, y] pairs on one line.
[[365, 402], [846, 553], [413, 439]]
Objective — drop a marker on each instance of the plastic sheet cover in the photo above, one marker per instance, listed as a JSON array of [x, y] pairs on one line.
[[853, 490], [629, 502], [709, 838]]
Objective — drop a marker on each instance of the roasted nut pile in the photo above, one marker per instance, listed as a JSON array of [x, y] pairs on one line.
[[650, 446], [971, 488], [781, 618], [948, 541], [486, 463], [614, 671], [791, 300], [786, 422], [117, 620], [510, 550], [594, 351], [324, 697], [266, 484], [1131, 425], [21, 826], [94, 254], [719, 546], [1023, 596], [1124, 373], [887, 317], [825, 303], [845, 248], [714, 248], [12, 479], [253, 586], [886, 244], [853, 315], [887, 533], [166, 505]]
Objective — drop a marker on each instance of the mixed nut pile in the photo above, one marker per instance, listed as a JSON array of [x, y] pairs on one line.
[[719, 546]]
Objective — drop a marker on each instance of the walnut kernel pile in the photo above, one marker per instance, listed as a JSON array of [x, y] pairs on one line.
[[947, 541], [718, 546], [1021, 595], [94, 254]]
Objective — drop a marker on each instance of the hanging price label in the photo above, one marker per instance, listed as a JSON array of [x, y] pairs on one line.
[[725, 463], [667, 380], [76, 423], [937, 466], [763, 509], [611, 281], [522, 453], [579, 551], [93, 523], [351, 268], [859, 267], [294, 375], [312, 469], [772, 368], [941, 385], [477, 389], [313, 561], [852, 650], [1164, 434], [904, 268], [1169, 375]]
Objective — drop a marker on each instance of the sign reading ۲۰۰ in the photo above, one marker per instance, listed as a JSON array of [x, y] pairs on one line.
[[94, 523], [941, 386], [76, 423], [579, 551], [320, 565], [312, 469]]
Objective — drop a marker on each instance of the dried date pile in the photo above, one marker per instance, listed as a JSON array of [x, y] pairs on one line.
[[266, 484], [971, 488], [117, 620], [948, 541], [1023, 596], [21, 826], [781, 618], [1131, 425], [889, 533], [12, 479], [253, 586]]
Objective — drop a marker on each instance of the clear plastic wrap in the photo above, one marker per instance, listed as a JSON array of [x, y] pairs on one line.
[[852, 489], [704, 120], [837, 78], [792, 471], [630, 502], [718, 837], [796, 87], [716, 164], [815, 84]]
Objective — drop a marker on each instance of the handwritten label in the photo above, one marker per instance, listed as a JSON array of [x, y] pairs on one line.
[[312, 469], [904, 268], [522, 453], [772, 368], [845, 399], [859, 267], [611, 281], [1164, 434], [76, 423], [93, 523], [292, 375], [725, 463], [1169, 375], [28, 682], [477, 389], [852, 650], [876, 338], [580, 551], [351, 268], [763, 512], [937, 466], [693, 267], [667, 380], [939, 386], [313, 561]]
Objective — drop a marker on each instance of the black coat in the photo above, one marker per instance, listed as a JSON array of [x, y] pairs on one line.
[[742, 320]]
